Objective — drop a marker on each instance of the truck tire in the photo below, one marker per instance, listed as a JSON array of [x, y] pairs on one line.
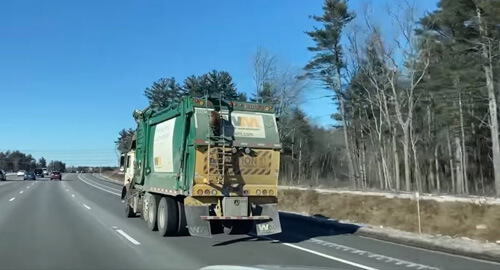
[[182, 228], [153, 211], [237, 227], [145, 208], [168, 220]]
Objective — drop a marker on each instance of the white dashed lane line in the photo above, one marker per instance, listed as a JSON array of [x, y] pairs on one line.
[[128, 237], [21, 192], [86, 206], [11, 199], [73, 195]]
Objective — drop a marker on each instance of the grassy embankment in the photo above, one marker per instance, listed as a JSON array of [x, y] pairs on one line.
[[455, 219]]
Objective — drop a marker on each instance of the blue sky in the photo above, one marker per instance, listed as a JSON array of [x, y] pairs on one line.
[[72, 72]]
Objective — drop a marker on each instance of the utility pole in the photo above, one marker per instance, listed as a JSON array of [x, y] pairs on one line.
[[293, 157], [300, 161]]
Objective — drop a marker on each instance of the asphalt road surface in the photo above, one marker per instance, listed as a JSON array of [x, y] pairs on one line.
[[79, 223]]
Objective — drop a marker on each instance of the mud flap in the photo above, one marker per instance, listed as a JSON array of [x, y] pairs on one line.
[[267, 227], [197, 226]]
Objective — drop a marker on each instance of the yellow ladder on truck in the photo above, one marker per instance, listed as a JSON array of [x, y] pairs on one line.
[[223, 157]]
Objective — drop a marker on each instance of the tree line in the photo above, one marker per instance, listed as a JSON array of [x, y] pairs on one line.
[[13, 161], [416, 107], [418, 110]]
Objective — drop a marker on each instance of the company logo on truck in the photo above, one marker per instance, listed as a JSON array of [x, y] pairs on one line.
[[248, 125]]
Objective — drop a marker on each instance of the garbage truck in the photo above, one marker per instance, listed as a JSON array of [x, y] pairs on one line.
[[204, 166]]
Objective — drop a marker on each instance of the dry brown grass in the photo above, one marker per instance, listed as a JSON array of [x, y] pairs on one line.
[[446, 218]]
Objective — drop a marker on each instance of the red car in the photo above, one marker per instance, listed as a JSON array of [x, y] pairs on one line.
[[55, 175]]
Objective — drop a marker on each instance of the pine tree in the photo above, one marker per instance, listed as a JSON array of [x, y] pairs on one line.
[[214, 83], [164, 92], [328, 64]]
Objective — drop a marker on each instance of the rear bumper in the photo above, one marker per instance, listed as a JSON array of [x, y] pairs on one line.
[[264, 218]]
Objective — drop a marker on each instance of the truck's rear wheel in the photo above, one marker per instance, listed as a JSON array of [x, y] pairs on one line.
[[237, 227], [167, 217], [144, 210], [152, 211]]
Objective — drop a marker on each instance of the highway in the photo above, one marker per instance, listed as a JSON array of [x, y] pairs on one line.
[[79, 223]]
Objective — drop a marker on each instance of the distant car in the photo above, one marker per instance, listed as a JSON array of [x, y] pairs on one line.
[[21, 173], [39, 172], [55, 175], [3, 176], [29, 176]]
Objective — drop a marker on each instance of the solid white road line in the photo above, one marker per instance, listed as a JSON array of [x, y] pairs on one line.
[[320, 254], [107, 179], [433, 251], [86, 206], [97, 181], [21, 192], [128, 237], [91, 184], [11, 199], [330, 257]]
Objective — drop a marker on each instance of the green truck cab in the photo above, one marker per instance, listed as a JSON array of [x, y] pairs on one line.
[[204, 165]]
